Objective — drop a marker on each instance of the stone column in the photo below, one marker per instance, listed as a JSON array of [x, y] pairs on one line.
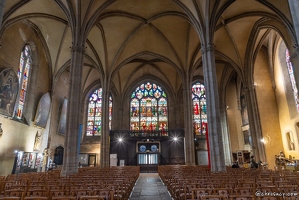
[[189, 137], [258, 149], [70, 160], [213, 109], [105, 144], [225, 136], [294, 8], [2, 5]]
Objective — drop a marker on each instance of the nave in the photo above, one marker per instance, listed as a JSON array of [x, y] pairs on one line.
[[150, 186], [177, 182]]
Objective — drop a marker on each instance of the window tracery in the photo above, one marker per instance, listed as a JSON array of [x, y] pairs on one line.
[[292, 78], [94, 113], [148, 109], [23, 76], [200, 121]]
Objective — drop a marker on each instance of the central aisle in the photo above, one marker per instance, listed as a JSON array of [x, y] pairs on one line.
[[150, 186]]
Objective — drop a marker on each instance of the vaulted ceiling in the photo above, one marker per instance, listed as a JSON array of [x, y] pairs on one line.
[[127, 40]]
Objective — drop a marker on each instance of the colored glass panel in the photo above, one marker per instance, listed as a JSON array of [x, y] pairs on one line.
[[292, 78], [199, 109], [94, 113], [23, 76], [148, 109]]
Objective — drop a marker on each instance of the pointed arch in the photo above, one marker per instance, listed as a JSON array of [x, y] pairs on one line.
[[24, 72], [148, 109]]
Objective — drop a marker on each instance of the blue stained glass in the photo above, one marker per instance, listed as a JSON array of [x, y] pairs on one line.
[[151, 93], [94, 113]]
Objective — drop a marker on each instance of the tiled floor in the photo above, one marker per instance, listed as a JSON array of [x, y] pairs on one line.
[[150, 186]]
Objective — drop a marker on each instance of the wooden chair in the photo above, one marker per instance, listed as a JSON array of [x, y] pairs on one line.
[[244, 191], [64, 198], [10, 198], [241, 197], [269, 198], [270, 188], [81, 192], [197, 193], [18, 187], [108, 194], [222, 191], [264, 183], [214, 197], [288, 188], [37, 193], [92, 198], [14, 193], [117, 191], [57, 194], [291, 198], [36, 198], [187, 194]]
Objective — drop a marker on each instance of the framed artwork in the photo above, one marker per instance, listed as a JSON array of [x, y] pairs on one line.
[[8, 91], [62, 119], [43, 110]]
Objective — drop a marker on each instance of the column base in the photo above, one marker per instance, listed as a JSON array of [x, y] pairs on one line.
[[190, 164], [68, 172]]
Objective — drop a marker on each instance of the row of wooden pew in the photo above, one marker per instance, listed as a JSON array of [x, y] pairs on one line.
[[198, 182], [88, 183]]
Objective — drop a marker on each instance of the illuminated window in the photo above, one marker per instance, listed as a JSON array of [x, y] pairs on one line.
[[94, 113], [23, 76], [199, 109], [292, 78], [149, 109]]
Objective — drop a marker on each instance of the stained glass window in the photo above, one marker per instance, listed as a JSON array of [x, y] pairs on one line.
[[199, 109], [292, 78], [23, 75], [149, 109], [94, 113]]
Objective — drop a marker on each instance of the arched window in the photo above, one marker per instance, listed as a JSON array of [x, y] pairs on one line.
[[292, 78], [199, 109], [149, 109], [94, 113], [23, 75]]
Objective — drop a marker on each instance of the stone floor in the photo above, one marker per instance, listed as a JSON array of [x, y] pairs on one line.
[[150, 186]]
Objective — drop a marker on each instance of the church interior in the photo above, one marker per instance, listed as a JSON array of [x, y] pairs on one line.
[[148, 83]]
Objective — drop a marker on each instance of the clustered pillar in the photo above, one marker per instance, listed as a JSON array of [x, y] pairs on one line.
[[70, 160], [105, 145], [213, 110], [189, 137]]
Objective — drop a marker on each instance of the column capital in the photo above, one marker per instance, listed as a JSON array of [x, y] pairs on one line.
[[207, 48], [78, 48]]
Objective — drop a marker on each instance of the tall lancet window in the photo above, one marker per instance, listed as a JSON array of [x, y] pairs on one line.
[[292, 78], [23, 76], [94, 113], [199, 109], [149, 110]]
